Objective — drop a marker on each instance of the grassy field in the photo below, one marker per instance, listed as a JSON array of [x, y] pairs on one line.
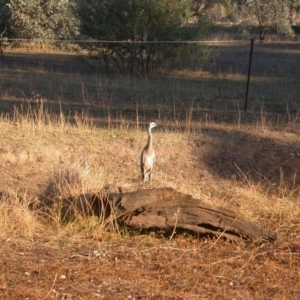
[[67, 131], [214, 94]]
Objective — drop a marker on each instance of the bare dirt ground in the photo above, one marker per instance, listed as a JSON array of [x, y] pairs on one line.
[[147, 268]]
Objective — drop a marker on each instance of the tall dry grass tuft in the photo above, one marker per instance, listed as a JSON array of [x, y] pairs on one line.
[[69, 191], [276, 209], [74, 199], [16, 216]]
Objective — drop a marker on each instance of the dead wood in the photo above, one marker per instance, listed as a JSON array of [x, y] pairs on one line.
[[166, 209]]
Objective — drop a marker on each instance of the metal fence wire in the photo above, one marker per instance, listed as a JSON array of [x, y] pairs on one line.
[[261, 78]]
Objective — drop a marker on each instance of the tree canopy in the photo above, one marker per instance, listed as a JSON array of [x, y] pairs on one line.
[[38, 19], [142, 35], [4, 17], [270, 15], [141, 24]]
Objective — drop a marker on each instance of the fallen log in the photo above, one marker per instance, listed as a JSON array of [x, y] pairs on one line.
[[167, 209]]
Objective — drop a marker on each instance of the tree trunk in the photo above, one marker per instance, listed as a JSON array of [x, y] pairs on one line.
[[1, 51]]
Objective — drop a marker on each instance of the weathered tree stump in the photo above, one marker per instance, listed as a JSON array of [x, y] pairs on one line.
[[167, 209]]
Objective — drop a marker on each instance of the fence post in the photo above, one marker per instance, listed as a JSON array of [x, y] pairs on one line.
[[249, 72]]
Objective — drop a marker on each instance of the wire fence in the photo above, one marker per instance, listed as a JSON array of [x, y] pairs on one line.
[[217, 91]]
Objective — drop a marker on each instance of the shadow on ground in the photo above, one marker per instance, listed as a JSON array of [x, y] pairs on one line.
[[254, 158]]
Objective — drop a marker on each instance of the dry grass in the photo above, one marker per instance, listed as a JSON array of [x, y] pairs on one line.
[[83, 260], [16, 219], [214, 94], [49, 155]]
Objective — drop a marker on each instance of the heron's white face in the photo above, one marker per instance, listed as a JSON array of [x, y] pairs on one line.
[[152, 124]]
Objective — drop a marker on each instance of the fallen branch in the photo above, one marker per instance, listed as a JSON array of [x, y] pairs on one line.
[[169, 210]]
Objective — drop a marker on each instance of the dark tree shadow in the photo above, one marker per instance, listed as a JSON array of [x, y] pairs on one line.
[[252, 158]]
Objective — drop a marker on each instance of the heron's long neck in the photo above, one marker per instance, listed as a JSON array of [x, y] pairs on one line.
[[149, 145]]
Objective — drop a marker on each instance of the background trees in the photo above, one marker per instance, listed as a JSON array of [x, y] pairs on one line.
[[148, 31], [141, 24], [269, 16], [38, 19], [4, 17], [254, 17], [144, 20]]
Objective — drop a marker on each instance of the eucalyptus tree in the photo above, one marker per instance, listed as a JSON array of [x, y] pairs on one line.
[[39, 19], [269, 15], [294, 9], [4, 17], [150, 30]]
